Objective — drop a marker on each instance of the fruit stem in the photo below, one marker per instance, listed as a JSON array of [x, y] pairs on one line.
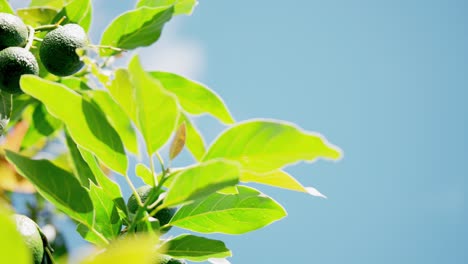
[[52, 26], [30, 38], [38, 39]]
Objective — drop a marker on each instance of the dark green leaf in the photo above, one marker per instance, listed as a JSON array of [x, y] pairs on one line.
[[229, 213], [157, 112], [264, 145], [58, 186], [87, 125], [42, 126], [80, 167], [6, 108], [195, 98], [135, 28], [201, 180], [195, 248], [180, 6]]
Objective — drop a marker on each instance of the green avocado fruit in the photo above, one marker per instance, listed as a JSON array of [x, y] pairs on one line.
[[14, 62], [13, 31], [31, 235], [169, 260], [58, 49], [164, 215]]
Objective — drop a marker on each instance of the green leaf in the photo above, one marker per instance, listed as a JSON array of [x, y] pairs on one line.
[[106, 219], [144, 173], [87, 124], [6, 108], [279, 178], [181, 7], [121, 89], [80, 167], [74, 83], [42, 126], [58, 186], [78, 12], [157, 112], [12, 247], [117, 118], [195, 98], [57, 4], [229, 213], [136, 28], [195, 248], [194, 142], [110, 187], [201, 180], [36, 16], [263, 146], [5, 7], [178, 142]]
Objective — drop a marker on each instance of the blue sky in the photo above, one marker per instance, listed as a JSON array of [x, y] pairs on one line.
[[384, 80]]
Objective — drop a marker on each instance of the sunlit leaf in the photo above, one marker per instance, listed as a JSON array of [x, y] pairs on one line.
[[194, 142], [195, 98], [77, 12], [178, 142], [139, 249], [5, 7], [121, 89], [135, 28], [201, 180], [106, 219], [144, 173], [180, 6], [58, 186], [80, 167], [87, 125], [156, 111], [229, 213], [117, 118], [195, 248], [12, 247], [263, 145], [42, 126], [50, 3], [36, 16], [6, 107], [279, 178]]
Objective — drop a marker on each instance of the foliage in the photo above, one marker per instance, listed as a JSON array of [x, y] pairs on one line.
[[100, 112]]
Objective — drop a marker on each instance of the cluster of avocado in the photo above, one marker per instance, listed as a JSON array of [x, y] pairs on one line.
[[162, 217], [57, 51]]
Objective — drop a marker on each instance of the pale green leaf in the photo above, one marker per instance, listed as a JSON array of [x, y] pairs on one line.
[[229, 213], [12, 246], [87, 124], [5, 7], [263, 145], [135, 28], [117, 118], [157, 112], [58, 186], [201, 180], [106, 219], [194, 142], [178, 142], [121, 89], [6, 108], [57, 4], [144, 173], [77, 12], [181, 7], [140, 248], [35, 16], [195, 248], [279, 178], [195, 98]]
